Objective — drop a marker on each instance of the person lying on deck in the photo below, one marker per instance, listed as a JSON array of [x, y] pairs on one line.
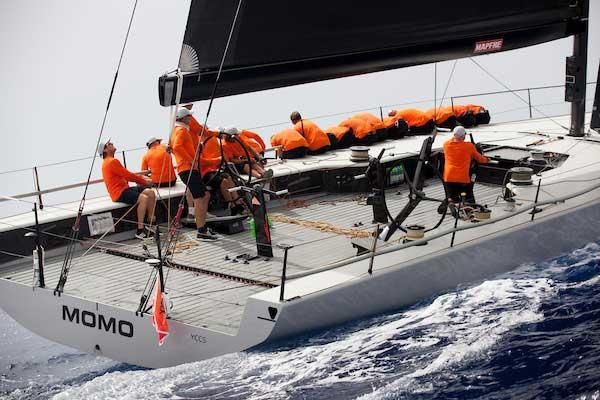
[[116, 178], [318, 141], [158, 160], [292, 144]]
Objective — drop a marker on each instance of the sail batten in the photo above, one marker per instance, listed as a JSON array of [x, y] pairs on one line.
[[279, 44]]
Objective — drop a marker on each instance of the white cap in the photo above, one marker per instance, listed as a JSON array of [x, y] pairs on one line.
[[182, 113], [101, 147], [459, 132], [152, 140], [232, 130]]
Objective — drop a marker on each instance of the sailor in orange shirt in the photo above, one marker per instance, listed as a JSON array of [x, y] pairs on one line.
[[317, 140], [442, 116], [247, 158], [340, 136], [377, 125], [293, 144], [361, 129], [463, 115], [458, 155], [116, 178], [185, 148], [213, 177], [160, 164], [417, 120]]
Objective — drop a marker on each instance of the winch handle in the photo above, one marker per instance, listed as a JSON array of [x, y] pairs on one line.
[[361, 176]]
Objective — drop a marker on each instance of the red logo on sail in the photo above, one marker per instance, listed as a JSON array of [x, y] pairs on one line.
[[159, 314], [488, 46]]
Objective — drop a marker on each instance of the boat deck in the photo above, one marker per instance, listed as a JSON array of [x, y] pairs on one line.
[[320, 227]]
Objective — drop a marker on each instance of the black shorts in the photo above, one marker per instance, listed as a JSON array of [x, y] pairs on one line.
[[455, 190], [193, 180], [130, 196]]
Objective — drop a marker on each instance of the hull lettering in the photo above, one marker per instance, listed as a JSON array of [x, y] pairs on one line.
[[97, 321]]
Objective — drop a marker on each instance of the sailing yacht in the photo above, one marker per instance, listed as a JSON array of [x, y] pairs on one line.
[[338, 236]]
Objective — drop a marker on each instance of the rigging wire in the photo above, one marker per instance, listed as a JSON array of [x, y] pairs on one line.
[[516, 94]]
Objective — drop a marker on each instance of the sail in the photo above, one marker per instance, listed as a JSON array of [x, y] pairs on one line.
[[281, 43]]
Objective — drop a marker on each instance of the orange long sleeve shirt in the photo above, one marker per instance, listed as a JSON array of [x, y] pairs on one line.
[[338, 131], [440, 115], [160, 164], [360, 127], [457, 160], [252, 138], [371, 119], [413, 117], [116, 177], [210, 159], [184, 146], [315, 137], [289, 138]]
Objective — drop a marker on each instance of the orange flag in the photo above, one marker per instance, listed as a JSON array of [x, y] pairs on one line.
[[159, 314]]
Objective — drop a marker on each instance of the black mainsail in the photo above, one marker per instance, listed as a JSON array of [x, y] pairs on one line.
[[280, 43]]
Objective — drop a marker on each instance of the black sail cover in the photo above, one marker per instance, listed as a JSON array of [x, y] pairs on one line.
[[283, 43]]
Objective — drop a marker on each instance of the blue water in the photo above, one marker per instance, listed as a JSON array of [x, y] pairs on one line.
[[532, 333]]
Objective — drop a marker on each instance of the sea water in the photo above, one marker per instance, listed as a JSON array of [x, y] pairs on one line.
[[528, 334]]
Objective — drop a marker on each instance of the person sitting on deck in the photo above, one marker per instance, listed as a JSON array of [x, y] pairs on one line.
[[377, 125], [245, 156], [318, 141], [116, 178], [158, 160], [210, 164], [185, 148], [293, 144], [458, 155]]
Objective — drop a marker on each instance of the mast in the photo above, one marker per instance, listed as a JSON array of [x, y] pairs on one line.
[[576, 74]]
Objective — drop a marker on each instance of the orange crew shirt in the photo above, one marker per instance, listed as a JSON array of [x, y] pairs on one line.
[[210, 159], [457, 160], [253, 138], [371, 119], [338, 131], [360, 128], [160, 164], [184, 145], [459, 110], [315, 137], [413, 117], [234, 151], [440, 115], [289, 138], [116, 177]]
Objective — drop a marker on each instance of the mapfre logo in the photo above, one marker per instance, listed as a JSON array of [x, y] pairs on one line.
[[488, 46]]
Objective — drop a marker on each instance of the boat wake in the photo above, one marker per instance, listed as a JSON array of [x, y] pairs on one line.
[[513, 334]]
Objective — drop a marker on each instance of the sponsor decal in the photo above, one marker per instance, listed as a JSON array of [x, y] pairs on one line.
[[488, 46], [198, 338], [97, 321]]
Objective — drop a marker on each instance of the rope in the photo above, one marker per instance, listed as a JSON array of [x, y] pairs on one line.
[[321, 226]]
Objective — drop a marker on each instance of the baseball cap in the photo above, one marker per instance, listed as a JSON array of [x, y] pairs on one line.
[[182, 113], [459, 132], [152, 140], [232, 130], [101, 147]]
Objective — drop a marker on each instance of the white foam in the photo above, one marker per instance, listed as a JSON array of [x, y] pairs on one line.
[[467, 322]]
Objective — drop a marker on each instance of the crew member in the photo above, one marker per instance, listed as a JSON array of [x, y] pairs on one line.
[[417, 120], [293, 144], [363, 131], [458, 155], [160, 164], [210, 163], [185, 146], [318, 141], [247, 159], [116, 178]]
